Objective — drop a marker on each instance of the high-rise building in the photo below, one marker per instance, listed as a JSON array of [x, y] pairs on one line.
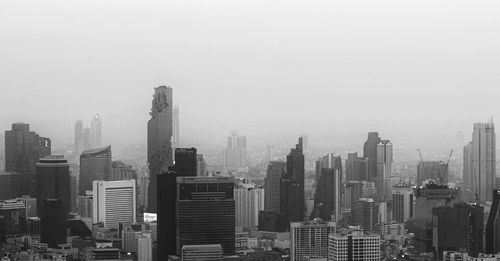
[[365, 214], [384, 168], [96, 132], [95, 164], [370, 152], [176, 128], [206, 212], [201, 166], [292, 186], [310, 239], [482, 162], [269, 153], [78, 138], [492, 244], [185, 166], [87, 143], [327, 199], [122, 171], [467, 167], [85, 205], [357, 168], [355, 246], [276, 170], [53, 181], [202, 252], [249, 201], [114, 202], [53, 223], [458, 228], [23, 148], [235, 154], [12, 218], [160, 152], [435, 171], [403, 207], [354, 190]]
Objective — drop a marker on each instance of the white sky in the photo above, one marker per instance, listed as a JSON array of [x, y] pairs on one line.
[[418, 70]]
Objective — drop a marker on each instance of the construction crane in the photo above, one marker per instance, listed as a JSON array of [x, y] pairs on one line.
[[423, 165], [447, 166]]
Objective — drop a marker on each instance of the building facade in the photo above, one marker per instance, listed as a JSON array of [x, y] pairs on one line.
[[53, 181], [310, 239], [95, 164], [114, 202]]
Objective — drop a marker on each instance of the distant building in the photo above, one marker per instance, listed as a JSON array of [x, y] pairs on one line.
[[206, 212], [249, 201], [87, 143], [235, 154], [122, 171], [354, 190], [370, 153], [403, 203], [201, 166], [53, 223], [355, 246], [437, 171], [276, 170], [160, 131], [384, 169], [176, 128], [96, 132], [467, 167], [357, 168], [53, 181], [310, 239], [327, 199], [202, 252], [114, 202], [365, 214], [78, 138], [95, 164], [23, 148], [292, 186]]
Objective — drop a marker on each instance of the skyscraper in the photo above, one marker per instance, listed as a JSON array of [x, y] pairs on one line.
[[176, 128], [23, 148], [370, 152], [467, 167], [235, 154], [206, 212], [310, 239], [186, 161], [53, 181], [357, 168], [95, 164], [365, 214], [53, 223], [492, 244], [114, 202], [384, 168], [87, 143], [403, 207], [249, 201], [292, 185], [201, 166], [483, 160], [275, 172], [355, 246], [78, 138], [327, 198], [160, 152], [437, 171], [95, 132]]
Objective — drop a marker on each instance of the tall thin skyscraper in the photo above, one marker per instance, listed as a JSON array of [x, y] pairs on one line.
[[206, 212], [53, 181], [484, 160], [87, 143], [292, 186], [78, 138], [96, 132], [176, 127], [357, 168], [384, 168], [328, 189], [95, 164], [370, 152], [403, 207], [275, 172], [23, 148], [467, 167], [114, 202], [249, 201], [160, 152]]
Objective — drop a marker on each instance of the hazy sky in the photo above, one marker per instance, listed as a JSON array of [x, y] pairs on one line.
[[270, 69]]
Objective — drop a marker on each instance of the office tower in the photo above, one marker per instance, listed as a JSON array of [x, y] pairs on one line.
[[185, 166], [201, 166], [467, 167], [235, 153], [355, 246], [249, 201], [384, 168], [122, 171], [114, 202], [458, 228], [483, 160], [95, 132], [202, 252], [145, 247], [85, 205], [354, 190], [435, 171], [95, 164], [365, 214], [176, 136], [87, 143], [12, 218], [292, 186], [53, 181], [23, 148], [306, 145], [357, 168], [53, 223], [370, 152], [310, 239], [160, 153], [206, 212], [269, 153], [78, 138], [276, 170], [403, 207], [492, 244], [328, 189]]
